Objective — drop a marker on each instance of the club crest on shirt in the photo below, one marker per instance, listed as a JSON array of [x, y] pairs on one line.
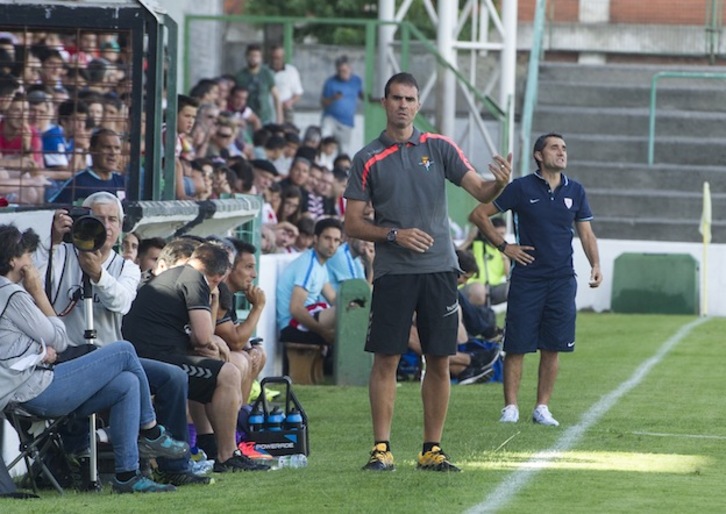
[[568, 203], [426, 162]]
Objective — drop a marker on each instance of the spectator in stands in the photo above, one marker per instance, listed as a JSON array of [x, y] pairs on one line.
[[86, 49], [73, 119], [265, 174], [186, 114], [222, 141], [51, 67], [247, 119], [339, 99], [264, 98], [130, 246], [319, 185], [149, 250], [94, 101], [244, 177], [175, 312], [221, 176], [103, 173], [328, 152], [541, 303], [290, 204], [305, 235], [489, 285], [114, 281], [298, 176], [292, 143], [301, 315], [225, 84], [111, 376], [206, 91], [20, 145], [287, 81], [204, 125], [9, 85], [340, 182], [115, 114], [100, 76], [285, 236]]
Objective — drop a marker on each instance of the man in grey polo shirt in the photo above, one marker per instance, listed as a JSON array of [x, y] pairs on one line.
[[403, 173]]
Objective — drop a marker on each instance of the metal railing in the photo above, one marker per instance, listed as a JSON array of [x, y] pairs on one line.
[[653, 99], [530, 94]]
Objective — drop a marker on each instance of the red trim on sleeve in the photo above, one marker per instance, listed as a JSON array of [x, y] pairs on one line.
[[373, 160], [428, 135]]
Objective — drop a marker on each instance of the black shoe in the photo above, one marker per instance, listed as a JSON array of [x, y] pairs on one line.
[[485, 358], [380, 459], [238, 462], [436, 460], [178, 478], [472, 374]]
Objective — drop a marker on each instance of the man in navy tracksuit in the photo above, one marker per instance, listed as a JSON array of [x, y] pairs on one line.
[[541, 303]]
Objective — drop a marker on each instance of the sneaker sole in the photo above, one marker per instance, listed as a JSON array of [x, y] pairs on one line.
[[475, 378]]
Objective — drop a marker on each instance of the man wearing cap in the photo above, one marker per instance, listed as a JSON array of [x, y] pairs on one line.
[[340, 100]]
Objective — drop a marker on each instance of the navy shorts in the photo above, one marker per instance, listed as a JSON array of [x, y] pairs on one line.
[[540, 315], [432, 296]]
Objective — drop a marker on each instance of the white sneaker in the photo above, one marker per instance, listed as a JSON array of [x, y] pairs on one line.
[[543, 416], [510, 414]]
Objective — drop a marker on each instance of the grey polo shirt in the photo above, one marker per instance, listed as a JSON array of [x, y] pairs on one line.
[[406, 183]]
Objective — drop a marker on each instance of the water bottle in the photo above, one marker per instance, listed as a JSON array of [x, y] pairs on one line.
[[295, 461], [256, 420], [293, 420], [274, 420], [198, 454]]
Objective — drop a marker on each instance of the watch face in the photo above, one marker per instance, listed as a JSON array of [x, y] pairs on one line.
[[391, 235]]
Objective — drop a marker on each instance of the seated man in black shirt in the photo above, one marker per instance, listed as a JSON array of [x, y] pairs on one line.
[[172, 321]]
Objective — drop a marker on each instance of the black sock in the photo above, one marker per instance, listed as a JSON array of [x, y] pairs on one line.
[[427, 447], [151, 433], [125, 476], [387, 443], [208, 443]]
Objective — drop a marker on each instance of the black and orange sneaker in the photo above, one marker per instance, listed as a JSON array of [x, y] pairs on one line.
[[435, 460], [381, 459]]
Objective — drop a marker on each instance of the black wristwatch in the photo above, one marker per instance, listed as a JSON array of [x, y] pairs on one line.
[[502, 246], [391, 236]]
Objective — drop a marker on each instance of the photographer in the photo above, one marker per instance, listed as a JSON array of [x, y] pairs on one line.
[[31, 337], [114, 280]]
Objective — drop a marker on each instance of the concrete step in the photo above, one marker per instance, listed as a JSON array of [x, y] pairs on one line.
[[627, 121], [637, 177], [655, 229], [670, 150], [638, 96], [653, 204], [622, 74]]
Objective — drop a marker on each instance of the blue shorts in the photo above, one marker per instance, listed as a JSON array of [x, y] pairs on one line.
[[540, 315], [432, 296]]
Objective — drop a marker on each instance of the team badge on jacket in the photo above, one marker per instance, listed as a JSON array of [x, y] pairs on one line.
[[568, 203], [426, 162]]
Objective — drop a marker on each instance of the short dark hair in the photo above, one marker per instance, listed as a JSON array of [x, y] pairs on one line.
[[70, 107], [101, 132], [14, 244], [467, 261], [241, 247], [401, 78], [185, 101], [214, 258], [253, 47], [327, 223], [541, 142], [152, 242]]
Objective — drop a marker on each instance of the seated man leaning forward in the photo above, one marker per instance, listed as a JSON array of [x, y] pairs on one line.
[[174, 312], [302, 316]]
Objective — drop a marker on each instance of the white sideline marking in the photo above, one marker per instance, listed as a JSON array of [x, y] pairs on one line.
[[688, 436], [512, 484]]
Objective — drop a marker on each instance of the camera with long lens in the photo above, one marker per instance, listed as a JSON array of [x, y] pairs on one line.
[[88, 233]]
